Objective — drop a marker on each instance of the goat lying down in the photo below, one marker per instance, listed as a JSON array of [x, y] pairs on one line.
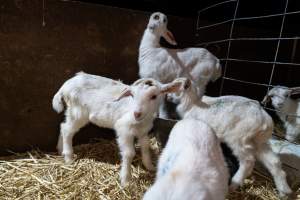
[[239, 122], [129, 110], [165, 64], [191, 166], [288, 109]]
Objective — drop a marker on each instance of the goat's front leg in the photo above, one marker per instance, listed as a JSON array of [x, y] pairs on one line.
[[126, 145], [144, 141]]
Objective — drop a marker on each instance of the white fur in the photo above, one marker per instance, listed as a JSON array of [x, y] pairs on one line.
[[286, 106], [165, 64], [107, 103], [243, 125], [191, 166]]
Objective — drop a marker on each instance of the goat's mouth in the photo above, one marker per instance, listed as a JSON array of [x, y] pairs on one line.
[[141, 118], [279, 105]]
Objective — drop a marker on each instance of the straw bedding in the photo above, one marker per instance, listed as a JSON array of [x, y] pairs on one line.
[[94, 175]]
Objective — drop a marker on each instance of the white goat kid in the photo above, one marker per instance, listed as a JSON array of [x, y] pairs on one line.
[[191, 166], [243, 125], [287, 109], [165, 64], [129, 110]]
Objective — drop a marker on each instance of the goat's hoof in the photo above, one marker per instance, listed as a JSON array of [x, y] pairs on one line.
[[124, 182], [150, 167], [59, 151], [125, 179], [68, 159], [284, 194]]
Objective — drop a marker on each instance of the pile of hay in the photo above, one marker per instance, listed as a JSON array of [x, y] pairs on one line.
[[94, 175]]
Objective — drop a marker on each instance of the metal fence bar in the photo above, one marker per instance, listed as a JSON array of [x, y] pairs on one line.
[[230, 39], [248, 39], [229, 45], [278, 44], [215, 5], [248, 18], [259, 61]]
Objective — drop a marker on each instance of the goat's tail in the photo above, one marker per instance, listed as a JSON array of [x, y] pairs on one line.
[[57, 102]]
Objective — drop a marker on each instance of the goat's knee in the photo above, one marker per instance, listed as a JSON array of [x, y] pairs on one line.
[[125, 174], [126, 145], [146, 155]]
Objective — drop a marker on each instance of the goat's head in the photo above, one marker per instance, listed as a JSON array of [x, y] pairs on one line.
[[146, 95], [158, 24], [186, 89], [277, 95]]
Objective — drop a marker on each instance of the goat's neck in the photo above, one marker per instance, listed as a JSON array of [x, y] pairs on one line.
[[149, 40], [189, 104]]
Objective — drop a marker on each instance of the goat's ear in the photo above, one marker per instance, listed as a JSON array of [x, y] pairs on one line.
[[171, 87], [126, 92], [295, 90], [169, 37], [266, 99]]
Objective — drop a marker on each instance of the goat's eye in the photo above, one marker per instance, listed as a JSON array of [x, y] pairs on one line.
[[156, 17], [165, 20], [149, 83], [153, 97], [187, 85]]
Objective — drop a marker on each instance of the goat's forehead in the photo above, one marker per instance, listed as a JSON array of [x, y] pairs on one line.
[[158, 13], [146, 89], [279, 91]]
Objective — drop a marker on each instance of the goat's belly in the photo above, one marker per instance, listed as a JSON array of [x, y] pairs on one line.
[[101, 119]]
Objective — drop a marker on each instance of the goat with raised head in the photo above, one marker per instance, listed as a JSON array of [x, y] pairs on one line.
[[164, 64]]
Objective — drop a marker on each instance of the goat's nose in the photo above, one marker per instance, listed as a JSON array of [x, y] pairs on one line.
[[137, 114]]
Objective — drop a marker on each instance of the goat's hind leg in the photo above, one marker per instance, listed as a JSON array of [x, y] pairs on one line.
[[59, 145], [67, 131], [272, 162], [246, 160]]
